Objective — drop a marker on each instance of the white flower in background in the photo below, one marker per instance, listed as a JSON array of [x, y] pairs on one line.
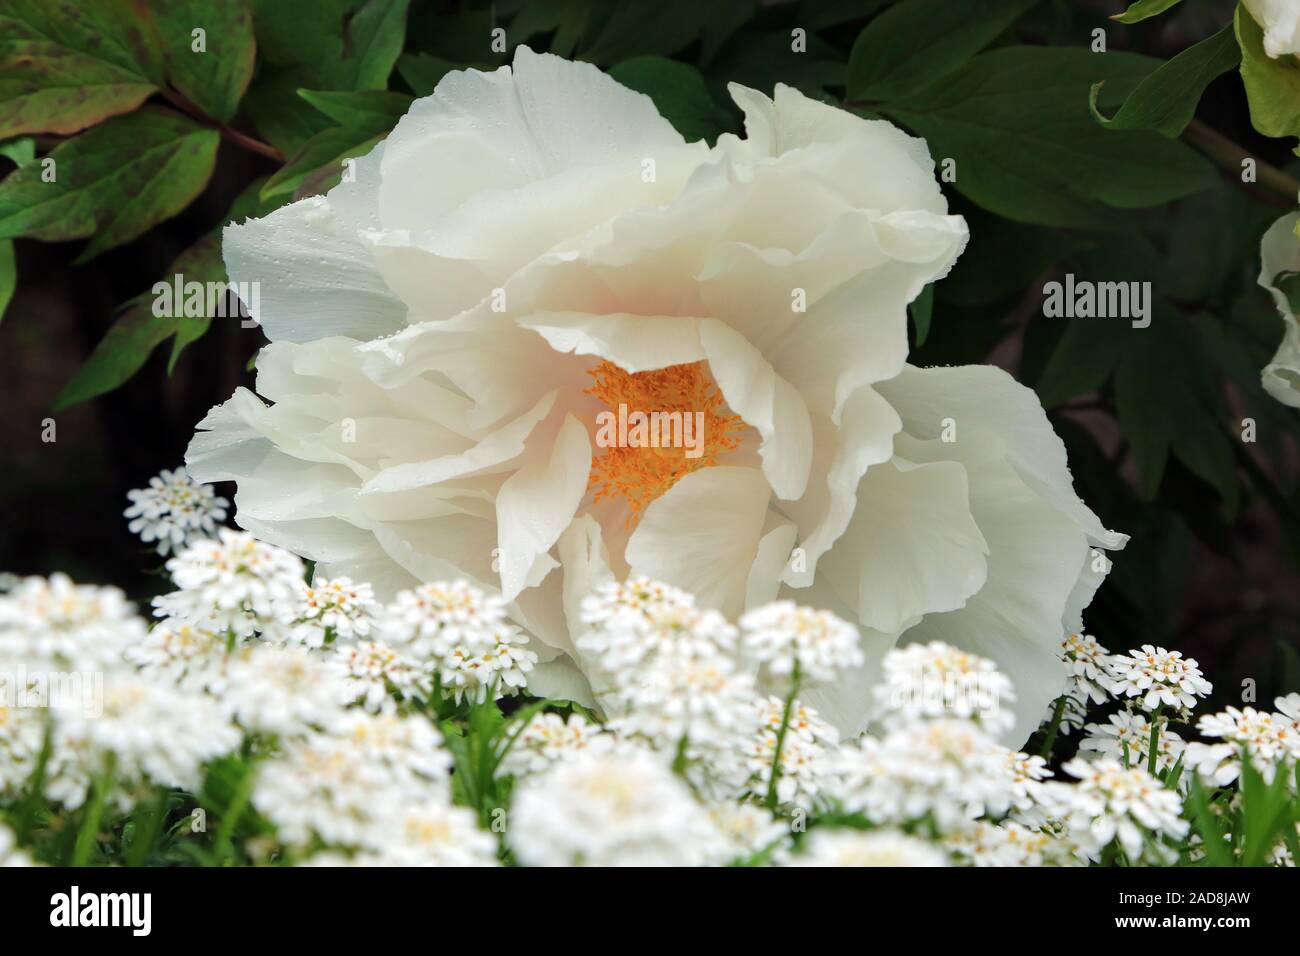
[[924, 681], [185, 653], [1126, 739], [703, 700], [282, 690], [622, 808], [807, 754], [10, 854], [948, 769], [349, 788], [1159, 678], [1262, 737], [462, 637], [235, 583], [155, 732], [870, 848], [782, 636], [174, 511], [433, 833], [1129, 805], [329, 610], [531, 250], [629, 626], [1281, 22], [1027, 792], [1279, 254], [1085, 661], [999, 844], [22, 731], [747, 830], [52, 624], [372, 671], [549, 739]]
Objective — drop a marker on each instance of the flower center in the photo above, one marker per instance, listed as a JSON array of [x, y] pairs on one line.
[[661, 426]]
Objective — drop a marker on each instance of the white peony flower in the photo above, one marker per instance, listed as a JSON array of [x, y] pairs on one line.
[[462, 339], [1279, 254], [1281, 22]]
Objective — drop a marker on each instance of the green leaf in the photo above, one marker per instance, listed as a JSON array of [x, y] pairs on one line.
[[762, 59], [137, 331], [1016, 121], [368, 109], [332, 44], [422, 72], [1272, 85], [922, 311], [20, 150], [1141, 10], [918, 41], [644, 27], [372, 44], [115, 181], [820, 14], [8, 274], [1166, 100], [281, 117], [69, 64], [214, 78], [1002, 259], [327, 149], [1168, 401], [679, 93]]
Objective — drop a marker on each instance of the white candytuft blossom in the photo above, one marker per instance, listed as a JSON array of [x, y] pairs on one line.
[[233, 583], [1265, 739], [432, 833], [699, 709], [1006, 844], [947, 769], [348, 787], [150, 730], [633, 626], [870, 848], [331, 610], [188, 654], [175, 511], [462, 637], [936, 680], [22, 731], [52, 624], [622, 808], [747, 830], [1126, 739], [373, 671], [1129, 805], [1157, 678], [548, 739], [282, 690], [783, 636], [807, 766], [10, 854]]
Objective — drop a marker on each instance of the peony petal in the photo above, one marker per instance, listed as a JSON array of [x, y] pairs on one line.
[[702, 535]]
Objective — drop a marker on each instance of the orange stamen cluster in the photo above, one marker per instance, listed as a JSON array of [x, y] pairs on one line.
[[642, 474]]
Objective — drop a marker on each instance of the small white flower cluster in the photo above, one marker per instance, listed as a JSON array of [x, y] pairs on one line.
[[1158, 679], [1268, 740], [1126, 739], [462, 637], [1088, 680], [785, 638], [937, 680], [1128, 805], [175, 511]]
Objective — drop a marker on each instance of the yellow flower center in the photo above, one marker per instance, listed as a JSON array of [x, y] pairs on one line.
[[640, 473]]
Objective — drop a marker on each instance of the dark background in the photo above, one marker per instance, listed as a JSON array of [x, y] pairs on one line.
[[1218, 585]]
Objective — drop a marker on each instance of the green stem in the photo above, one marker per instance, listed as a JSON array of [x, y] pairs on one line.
[[89, 831], [1155, 740], [1053, 728], [1228, 156], [230, 820], [775, 775]]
